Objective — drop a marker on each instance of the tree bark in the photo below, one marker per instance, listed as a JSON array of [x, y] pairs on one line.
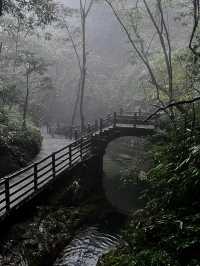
[[83, 73], [26, 100]]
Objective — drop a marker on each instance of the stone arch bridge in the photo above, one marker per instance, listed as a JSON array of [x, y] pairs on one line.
[[83, 157]]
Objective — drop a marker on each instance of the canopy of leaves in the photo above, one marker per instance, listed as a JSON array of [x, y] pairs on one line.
[[43, 10]]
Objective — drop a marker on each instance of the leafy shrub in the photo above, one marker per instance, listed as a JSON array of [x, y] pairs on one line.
[[167, 230], [17, 145]]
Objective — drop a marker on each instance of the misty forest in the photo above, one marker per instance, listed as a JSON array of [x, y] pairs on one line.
[[100, 132]]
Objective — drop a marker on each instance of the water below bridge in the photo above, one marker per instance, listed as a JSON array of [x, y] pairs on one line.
[[87, 247], [89, 244]]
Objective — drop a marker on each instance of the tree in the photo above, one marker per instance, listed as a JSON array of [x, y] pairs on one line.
[[81, 56], [20, 21], [141, 47], [32, 65], [22, 18], [43, 10], [84, 11], [196, 18]]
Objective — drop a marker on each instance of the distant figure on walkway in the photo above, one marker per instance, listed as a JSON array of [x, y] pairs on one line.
[[48, 127], [52, 131]]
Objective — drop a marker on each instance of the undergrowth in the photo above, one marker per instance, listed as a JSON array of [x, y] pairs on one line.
[[166, 232], [18, 145]]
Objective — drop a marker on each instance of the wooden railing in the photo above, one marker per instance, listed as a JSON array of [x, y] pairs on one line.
[[26, 183], [127, 118]]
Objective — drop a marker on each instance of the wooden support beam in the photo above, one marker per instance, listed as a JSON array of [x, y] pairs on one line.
[[88, 128], [76, 134], [96, 125]]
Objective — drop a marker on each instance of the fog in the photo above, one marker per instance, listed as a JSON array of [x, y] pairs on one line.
[[112, 81], [107, 63], [114, 77], [99, 132]]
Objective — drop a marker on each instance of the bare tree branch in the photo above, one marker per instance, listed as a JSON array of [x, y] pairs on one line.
[[163, 45], [89, 7], [174, 104], [138, 52], [73, 43]]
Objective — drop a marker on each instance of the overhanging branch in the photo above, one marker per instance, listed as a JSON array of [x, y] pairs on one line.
[[174, 104]]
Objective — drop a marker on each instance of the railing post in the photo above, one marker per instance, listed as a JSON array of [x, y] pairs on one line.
[[135, 119], [70, 155], [101, 126], [76, 134], [7, 194], [35, 177], [96, 125], [121, 111], [53, 164], [114, 120], [108, 119], [71, 132], [88, 128], [110, 115]]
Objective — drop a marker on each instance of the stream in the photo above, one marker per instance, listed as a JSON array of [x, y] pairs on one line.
[[87, 247]]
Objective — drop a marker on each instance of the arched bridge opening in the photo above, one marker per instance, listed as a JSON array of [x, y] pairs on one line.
[[125, 160]]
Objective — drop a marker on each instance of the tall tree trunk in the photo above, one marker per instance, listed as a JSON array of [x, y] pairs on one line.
[[26, 100], [85, 7], [75, 106], [83, 75], [17, 43], [1, 7]]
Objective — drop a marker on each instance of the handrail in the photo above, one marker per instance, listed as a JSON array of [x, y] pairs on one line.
[[25, 183]]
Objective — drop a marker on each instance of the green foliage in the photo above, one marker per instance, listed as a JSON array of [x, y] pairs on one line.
[[167, 230], [18, 146], [34, 12], [11, 126], [8, 93], [28, 138], [185, 77]]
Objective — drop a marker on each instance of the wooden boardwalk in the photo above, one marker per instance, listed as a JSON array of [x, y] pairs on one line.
[[20, 187]]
